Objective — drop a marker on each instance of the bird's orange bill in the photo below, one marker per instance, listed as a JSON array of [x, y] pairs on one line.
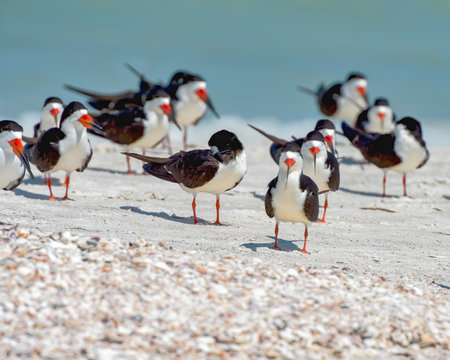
[[203, 95], [17, 147]]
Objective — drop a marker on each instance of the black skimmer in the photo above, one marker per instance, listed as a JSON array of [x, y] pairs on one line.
[[50, 115], [13, 160], [213, 171], [292, 196], [402, 150], [342, 101], [119, 101], [67, 147], [320, 165], [190, 99], [379, 118], [138, 127], [328, 130]]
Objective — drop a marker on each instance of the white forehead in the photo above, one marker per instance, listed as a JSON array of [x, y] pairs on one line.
[[52, 105], [194, 85], [10, 135], [327, 132]]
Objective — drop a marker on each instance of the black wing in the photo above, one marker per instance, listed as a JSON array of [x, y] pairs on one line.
[[311, 206], [362, 120], [87, 160], [45, 153], [193, 168], [376, 148], [123, 127], [333, 165], [268, 199], [15, 183], [326, 99]]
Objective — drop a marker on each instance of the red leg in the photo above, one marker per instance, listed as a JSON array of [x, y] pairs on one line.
[[128, 165], [324, 211], [169, 147], [185, 139], [45, 179], [304, 244], [217, 209], [67, 182], [404, 185], [384, 185], [276, 237], [49, 183], [193, 209]]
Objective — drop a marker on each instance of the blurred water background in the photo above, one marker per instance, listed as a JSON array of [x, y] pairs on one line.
[[252, 53]]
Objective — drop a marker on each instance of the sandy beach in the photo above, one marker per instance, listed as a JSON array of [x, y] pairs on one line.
[[387, 258]]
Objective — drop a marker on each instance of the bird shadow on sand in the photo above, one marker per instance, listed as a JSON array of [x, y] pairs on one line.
[[352, 161], [30, 195], [39, 180], [258, 196], [283, 244], [365, 193], [112, 171], [183, 220]]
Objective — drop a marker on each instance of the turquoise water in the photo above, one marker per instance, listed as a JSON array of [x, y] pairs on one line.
[[252, 53]]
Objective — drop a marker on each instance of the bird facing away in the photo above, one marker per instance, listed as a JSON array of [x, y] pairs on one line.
[[13, 161], [214, 170], [292, 196], [379, 118], [67, 147], [402, 150], [342, 101]]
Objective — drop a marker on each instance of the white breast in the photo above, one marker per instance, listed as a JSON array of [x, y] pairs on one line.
[[226, 178], [74, 150], [157, 127], [189, 111], [288, 200], [322, 173], [11, 168], [408, 150]]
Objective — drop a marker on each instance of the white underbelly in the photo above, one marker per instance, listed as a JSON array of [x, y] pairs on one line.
[[411, 162], [72, 159], [288, 203], [11, 169], [189, 112], [151, 137]]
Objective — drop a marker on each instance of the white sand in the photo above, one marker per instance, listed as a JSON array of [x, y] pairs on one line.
[[411, 240], [396, 248]]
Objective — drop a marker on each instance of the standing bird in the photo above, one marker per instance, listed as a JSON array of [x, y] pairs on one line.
[[190, 99], [402, 150], [138, 127], [328, 130], [292, 196], [342, 100], [13, 161], [50, 115], [379, 118], [66, 147], [214, 171], [320, 165]]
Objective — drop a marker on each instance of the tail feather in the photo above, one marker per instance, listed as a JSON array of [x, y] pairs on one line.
[[307, 91], [349, 132], [97, 96], [149, 159], [159, 171], [270, 137]]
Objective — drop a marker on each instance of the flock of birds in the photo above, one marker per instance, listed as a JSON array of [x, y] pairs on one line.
[[308, 166]]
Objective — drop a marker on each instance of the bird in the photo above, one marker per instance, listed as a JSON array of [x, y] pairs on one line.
[[342, 101], [190, 99], [292, 196], [320, 165], [402, 150], [378, 118], [328, 130], [50, 115], [138, 127], [214, 170], [66, 147], [118, 101], [13, 160]]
